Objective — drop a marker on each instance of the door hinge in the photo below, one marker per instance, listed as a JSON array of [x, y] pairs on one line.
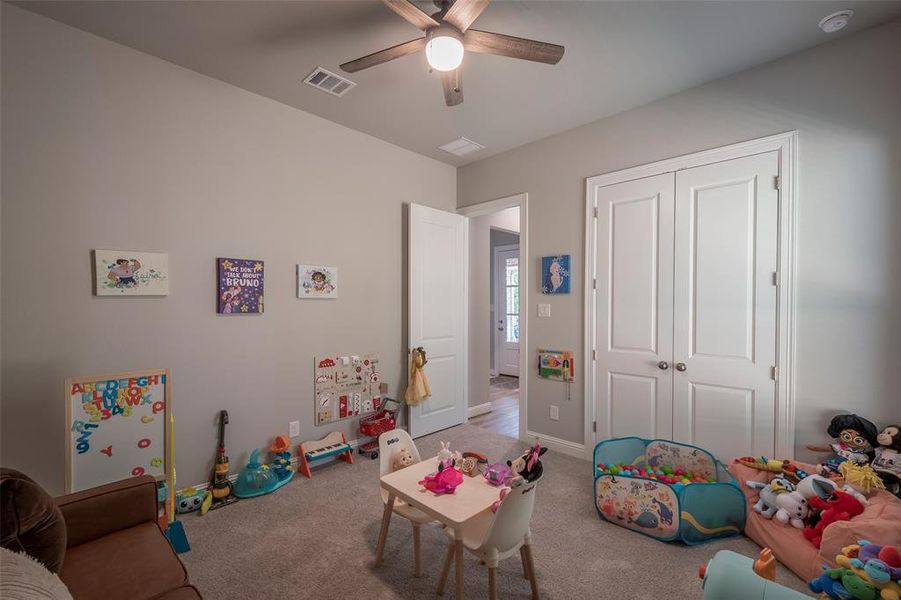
[[594, 283], [776, 278], [777, 182], [774, 373], [594, 355], [595, 212], [594, 426]]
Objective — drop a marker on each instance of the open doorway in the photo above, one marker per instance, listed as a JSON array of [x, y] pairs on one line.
[[495, 322]]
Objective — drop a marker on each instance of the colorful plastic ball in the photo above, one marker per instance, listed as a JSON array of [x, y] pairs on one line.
[[668, 470]]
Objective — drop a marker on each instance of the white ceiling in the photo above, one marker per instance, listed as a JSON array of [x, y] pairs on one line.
[[618, 55]]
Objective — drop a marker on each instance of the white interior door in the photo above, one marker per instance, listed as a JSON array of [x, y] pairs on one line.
[[725, 306], [506, 289], [634, 308], [437, 318]]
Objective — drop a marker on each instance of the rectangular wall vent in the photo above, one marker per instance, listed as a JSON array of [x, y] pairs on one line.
[[327, 81], [461, 146]]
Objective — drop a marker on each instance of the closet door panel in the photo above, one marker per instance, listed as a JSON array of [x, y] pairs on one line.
[[725, 306], [634, 307]]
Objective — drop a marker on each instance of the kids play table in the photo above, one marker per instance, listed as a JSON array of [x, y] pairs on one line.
[[473, 497]]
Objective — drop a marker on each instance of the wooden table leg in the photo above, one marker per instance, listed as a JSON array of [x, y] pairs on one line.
[[533, 581], [445, 570], [417, 563], [383, 533], [458, 575], [492, 584], [525, 564]]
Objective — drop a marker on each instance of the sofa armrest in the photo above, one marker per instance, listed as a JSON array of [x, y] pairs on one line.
[[105, 509]]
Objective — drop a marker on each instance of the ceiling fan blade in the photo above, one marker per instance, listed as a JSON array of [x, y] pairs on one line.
[[485, 42], [411, 13], [463, 12], [452, 82], [383, 56]]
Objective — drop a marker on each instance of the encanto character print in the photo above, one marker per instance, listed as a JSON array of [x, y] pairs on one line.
[[123, 272]]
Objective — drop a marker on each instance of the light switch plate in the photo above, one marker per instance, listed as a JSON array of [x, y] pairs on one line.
[[555, 413], [544, 310], [294, 428]]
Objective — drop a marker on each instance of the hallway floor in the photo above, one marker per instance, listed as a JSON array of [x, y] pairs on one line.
[[504, 415]]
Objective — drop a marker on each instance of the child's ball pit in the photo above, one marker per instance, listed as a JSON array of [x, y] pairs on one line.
[[666, 474]]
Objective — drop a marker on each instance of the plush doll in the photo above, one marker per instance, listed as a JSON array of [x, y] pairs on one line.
[[766, 504], [877, 565], [528, 466], [854, 440], [402, 458], [816, 485], [887, 462], [792, 509], [842, 584], [841, 506], [862, 478], [445, 452]]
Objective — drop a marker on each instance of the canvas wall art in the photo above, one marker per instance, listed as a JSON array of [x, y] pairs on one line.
[[555, 274], [240, 286], [314, 281], [129, 273]]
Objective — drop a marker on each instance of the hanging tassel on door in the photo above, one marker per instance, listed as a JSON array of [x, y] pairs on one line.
[[418, 387]]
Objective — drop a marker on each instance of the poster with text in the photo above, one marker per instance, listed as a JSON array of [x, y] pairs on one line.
[[240, 286]]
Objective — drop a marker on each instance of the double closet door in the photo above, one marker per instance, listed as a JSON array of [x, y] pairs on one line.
[[686, 306]]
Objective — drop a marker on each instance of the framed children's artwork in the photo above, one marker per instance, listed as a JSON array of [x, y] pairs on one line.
[[314, 281], [129, 273], [240, 289], [555, 274], [556, 365]]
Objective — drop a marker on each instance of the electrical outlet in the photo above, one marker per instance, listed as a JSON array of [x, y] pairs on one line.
[[555, 413], [544, 310], [294, 428]]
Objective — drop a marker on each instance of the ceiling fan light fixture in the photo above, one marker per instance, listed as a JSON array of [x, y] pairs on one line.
[[444, 51]]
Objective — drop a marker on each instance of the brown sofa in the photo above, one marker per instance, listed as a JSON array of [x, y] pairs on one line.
[[113, 525]]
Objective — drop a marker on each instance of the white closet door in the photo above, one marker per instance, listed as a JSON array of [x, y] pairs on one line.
[[635, 308], [725, 306]]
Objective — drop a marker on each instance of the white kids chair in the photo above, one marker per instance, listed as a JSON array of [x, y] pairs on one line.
[[492, 537], [390, 443]]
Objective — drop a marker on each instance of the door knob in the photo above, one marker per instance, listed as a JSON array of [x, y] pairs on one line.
[[663, 365], [680, 366]]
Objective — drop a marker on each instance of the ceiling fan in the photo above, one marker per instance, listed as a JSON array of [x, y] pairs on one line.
[[448, 37]]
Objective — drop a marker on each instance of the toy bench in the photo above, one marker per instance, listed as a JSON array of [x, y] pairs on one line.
[[666, 510]]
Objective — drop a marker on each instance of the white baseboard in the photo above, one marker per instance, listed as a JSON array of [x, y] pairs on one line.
[[324, 461], [553, 443], [479, 409]]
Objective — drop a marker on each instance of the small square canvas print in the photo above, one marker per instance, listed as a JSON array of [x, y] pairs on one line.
[[317, 282], [129, 273], [555, 274], [240, 286]]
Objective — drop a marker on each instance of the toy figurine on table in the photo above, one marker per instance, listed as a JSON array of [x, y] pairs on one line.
[[445, 480], [528, 465], [854, 440]]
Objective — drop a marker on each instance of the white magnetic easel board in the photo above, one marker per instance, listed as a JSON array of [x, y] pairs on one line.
[[117, 427]]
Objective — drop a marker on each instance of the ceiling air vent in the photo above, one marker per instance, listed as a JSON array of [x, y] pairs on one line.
[[329, 82], [461, 146]]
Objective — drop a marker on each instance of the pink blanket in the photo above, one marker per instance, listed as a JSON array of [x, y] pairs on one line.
[[880, 523]]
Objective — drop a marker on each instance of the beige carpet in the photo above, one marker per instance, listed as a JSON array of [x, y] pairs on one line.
[[316, 539]]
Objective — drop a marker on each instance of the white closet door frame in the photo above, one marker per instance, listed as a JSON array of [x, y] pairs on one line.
[[787, 146]]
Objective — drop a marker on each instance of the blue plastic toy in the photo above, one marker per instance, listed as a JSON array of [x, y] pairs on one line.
[[257, 479]]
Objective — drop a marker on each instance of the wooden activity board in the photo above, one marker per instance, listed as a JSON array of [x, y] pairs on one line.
[[116, 427], [346, 386]]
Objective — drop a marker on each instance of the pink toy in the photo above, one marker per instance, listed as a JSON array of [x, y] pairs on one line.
[[496, 503], [445, 480], [498, 474]]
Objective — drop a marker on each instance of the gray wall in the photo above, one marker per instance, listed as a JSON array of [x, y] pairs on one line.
[[843, 98], [496, 237], [105, 147]]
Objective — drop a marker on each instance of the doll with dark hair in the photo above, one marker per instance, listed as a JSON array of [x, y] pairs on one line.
[[854, 440]]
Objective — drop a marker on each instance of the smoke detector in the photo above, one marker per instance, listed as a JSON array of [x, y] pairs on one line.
[[836, 21]]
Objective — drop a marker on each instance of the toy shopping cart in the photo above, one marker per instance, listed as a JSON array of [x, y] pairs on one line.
[[377, 424]]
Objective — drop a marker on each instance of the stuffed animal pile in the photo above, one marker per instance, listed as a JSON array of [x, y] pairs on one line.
[[865, 571]]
